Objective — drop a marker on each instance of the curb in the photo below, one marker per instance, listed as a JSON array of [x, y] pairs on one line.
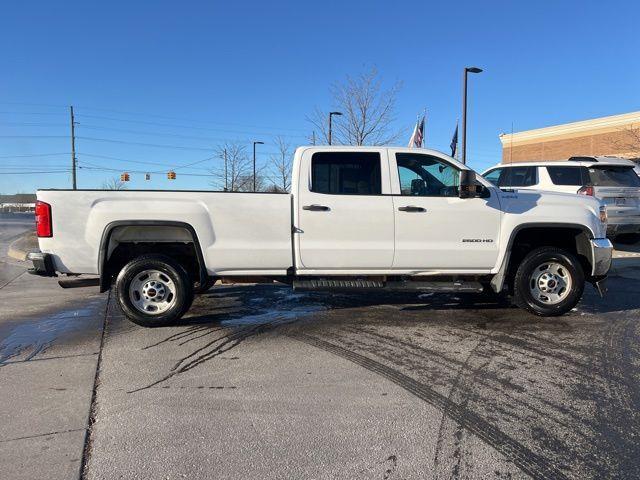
[[20, 248]]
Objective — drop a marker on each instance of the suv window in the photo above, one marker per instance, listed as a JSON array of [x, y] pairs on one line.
[[575, 176], [346, 173], [513, 176], [494, 176], [426, 176], [613, 176], [522, 176]]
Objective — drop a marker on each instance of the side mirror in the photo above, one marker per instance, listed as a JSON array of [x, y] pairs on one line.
[[468, 184]]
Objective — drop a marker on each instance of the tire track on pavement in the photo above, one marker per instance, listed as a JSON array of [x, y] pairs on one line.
[[525, 459]]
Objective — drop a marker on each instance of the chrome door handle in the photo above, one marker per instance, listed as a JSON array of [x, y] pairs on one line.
[[316, 208], [412, 208]]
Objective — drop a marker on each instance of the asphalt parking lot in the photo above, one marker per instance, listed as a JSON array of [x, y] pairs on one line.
[[263, 382]]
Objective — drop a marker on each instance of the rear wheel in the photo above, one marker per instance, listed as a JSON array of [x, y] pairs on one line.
[[154, 290], [548, 282]]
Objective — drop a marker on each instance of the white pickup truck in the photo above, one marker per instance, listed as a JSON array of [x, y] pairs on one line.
[[356, 218]]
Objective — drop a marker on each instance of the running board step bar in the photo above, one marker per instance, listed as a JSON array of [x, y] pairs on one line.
[[79, 282], [349, 284], [329, 284]]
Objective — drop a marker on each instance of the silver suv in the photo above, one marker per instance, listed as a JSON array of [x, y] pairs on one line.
[[611, 180]]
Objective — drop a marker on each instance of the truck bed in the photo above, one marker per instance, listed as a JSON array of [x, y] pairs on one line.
[[239, 233]]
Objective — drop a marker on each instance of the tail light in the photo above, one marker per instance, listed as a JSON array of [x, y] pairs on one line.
[[588, 190], [43, 219]]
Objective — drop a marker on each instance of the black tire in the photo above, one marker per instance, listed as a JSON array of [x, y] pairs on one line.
[[178, 278], [522, 286], [628, 238], [198, 288]]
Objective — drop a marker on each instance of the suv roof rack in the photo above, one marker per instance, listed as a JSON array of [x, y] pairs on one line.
[[583, 159]]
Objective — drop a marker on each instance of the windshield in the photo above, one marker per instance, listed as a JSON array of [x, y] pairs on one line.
[[613, 176]]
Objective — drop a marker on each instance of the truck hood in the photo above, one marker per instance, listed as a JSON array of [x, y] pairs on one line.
[[537, 206]]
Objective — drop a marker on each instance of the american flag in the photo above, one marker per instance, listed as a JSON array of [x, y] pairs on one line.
[[454, 142], [418, 134]]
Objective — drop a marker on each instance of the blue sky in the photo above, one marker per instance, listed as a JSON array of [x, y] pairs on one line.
[[192, 74]]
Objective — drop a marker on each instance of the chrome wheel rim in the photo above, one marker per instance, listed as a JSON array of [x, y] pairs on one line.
[[152, 292], [550, 283]]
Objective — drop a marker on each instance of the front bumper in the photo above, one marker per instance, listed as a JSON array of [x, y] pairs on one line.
[[42, 264], [601, 255]]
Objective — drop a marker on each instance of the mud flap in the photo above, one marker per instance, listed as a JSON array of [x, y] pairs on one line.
[[601, 286]]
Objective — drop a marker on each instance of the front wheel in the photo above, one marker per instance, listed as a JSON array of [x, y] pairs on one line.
[[154, 290], [549, 282]]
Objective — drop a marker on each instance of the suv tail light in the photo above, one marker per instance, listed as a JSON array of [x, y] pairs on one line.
[[43, 219], [588, 190]]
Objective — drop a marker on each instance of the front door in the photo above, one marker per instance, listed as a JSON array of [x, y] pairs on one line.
[[345, 211], [434, 228]]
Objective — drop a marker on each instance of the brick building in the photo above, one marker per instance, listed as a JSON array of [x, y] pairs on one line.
[[617, 135]]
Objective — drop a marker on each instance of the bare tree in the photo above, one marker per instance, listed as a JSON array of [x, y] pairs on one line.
[[629, 144], [281, 164], [114, 183], [232, 174], [368, 112]]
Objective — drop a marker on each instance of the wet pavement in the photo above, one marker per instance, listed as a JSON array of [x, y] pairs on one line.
[[263, 382], [12, 226]]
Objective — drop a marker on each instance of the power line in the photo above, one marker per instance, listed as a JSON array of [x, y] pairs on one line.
[[31, 124], [34, 136], [29, 113], [171, 166], [189, 127], [182, 119], [158, 134], [35, 155], [39, 172], [142, 144]]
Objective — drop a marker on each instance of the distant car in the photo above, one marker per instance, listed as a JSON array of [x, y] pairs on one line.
[[613, 181]]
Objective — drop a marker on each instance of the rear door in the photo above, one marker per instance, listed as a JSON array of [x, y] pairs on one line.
[[435, 229], [344, 210]]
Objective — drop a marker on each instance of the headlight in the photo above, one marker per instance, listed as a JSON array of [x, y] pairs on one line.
[[603, 214]]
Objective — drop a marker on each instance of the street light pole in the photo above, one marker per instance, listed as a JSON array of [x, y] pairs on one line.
[[467, 70], [331, 114], [254, 163]]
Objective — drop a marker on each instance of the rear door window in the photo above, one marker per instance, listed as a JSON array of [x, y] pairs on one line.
[[513, 176], [613, 176], [575, 176], [346, 173], [522, 176]]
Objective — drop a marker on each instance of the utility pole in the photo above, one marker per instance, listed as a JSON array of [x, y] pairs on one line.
[[73, 150], [313, 138], [254, 163], [226, 184]]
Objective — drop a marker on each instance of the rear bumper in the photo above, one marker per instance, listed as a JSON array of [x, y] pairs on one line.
[[42, 264], [620, 228], [601, 255]]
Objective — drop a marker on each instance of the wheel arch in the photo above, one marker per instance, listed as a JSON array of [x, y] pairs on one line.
[[105, 251], [582, 235]]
